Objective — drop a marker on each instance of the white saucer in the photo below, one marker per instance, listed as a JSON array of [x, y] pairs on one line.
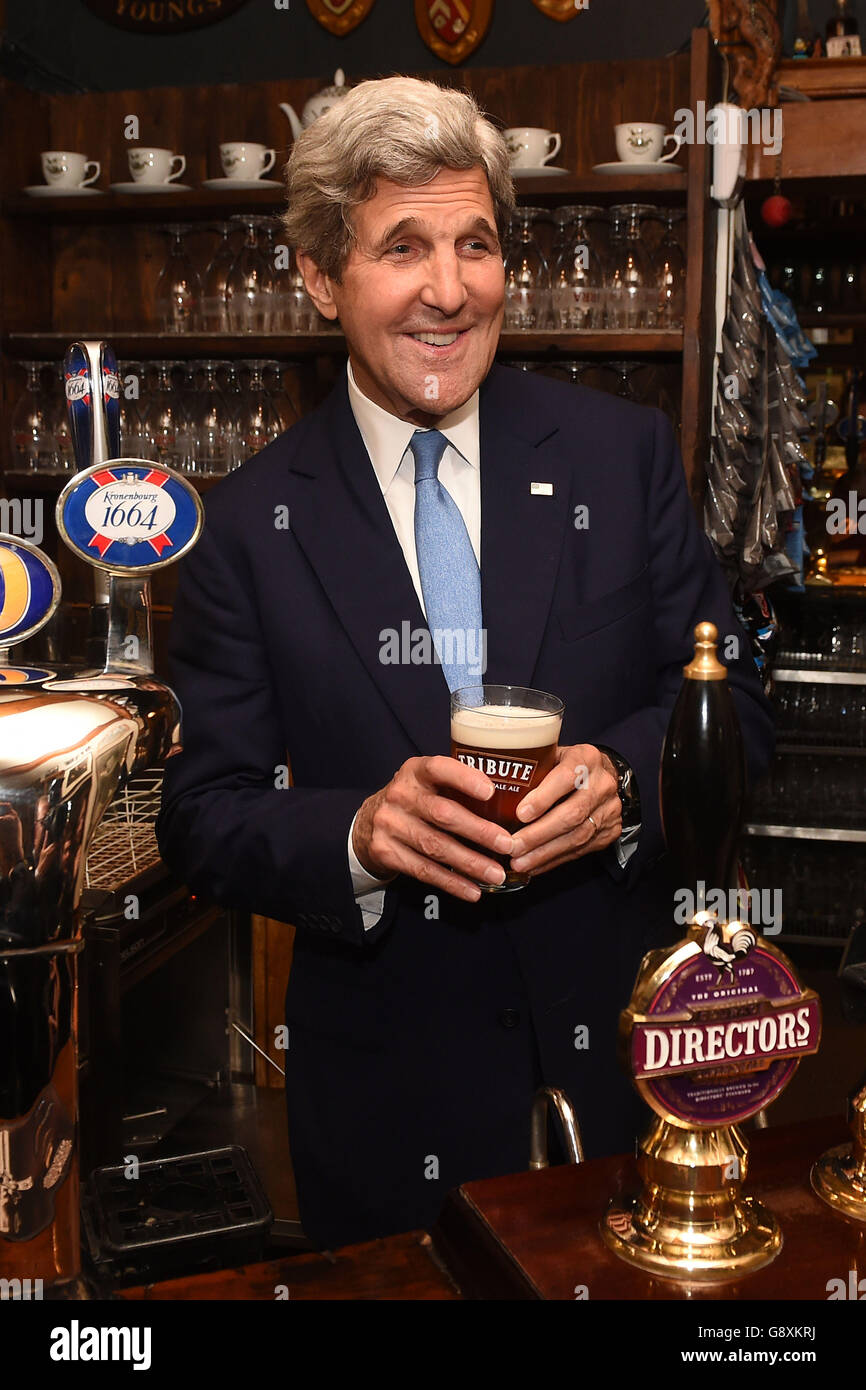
[[544, 171], [223, 184], [150, 188], [655, 166], [51, 190]]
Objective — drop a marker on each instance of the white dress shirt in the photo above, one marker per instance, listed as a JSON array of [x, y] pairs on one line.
[[386, 438]]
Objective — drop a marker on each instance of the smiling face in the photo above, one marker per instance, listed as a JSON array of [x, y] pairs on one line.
[[422, 293]]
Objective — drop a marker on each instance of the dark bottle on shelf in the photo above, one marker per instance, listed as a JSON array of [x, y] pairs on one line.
[[789, 281], [703, 771], [819, 289], [849, 285], [842, 32]]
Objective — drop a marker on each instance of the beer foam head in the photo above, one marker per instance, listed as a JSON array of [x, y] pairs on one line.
[[504, 726]]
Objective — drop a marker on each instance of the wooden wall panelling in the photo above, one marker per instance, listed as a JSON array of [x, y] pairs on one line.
[[25, 258], [583, 101], [698, 344], [272, 947]]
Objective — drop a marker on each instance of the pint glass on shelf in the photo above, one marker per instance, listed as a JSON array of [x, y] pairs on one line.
[[510, 734]]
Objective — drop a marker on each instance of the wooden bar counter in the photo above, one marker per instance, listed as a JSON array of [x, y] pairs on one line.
[[535, 1236]]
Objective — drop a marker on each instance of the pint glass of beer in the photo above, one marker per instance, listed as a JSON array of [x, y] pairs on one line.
[[510, 734]]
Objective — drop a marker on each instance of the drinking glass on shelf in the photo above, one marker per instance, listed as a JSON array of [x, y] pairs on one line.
[[136, 442], [166, 420], [259, 422], [300, 314], [34, 442], [211, 424], [282, 402], [671, 274], [214, 308], [575, 371], [577, 278], [178, 289], [250, 282], [527, 277], [625, 370], [59, 420], [854, 645], [632, 295]]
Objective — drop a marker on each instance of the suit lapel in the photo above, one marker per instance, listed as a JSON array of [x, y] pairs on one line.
[[521, 533], [341, 522]]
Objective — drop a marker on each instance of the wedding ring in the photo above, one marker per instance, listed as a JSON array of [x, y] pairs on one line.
[[595, 827]]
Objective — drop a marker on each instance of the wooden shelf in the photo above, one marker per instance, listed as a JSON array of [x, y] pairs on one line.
[[205, 203], [137, 346], [51, 484], [199, 203], [605, 188], [819, 78]]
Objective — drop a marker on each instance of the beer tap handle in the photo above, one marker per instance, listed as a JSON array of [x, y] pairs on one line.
[[85, 403], [109, 378], [79, 403]]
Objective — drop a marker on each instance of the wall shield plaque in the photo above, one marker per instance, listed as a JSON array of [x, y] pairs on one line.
[[162, 16], [561, 9], [453, 28], [339, 16]]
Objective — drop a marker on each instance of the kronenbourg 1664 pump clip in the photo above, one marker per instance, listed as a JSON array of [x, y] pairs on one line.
[[717, 1023]]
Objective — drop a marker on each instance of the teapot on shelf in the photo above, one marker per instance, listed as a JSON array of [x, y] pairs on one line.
[[317, 105]]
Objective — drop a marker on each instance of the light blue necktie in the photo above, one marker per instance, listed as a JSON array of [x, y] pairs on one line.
[[450, 577]]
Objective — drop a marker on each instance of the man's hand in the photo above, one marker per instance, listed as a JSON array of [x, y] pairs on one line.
[[583, 783], [410, 827]]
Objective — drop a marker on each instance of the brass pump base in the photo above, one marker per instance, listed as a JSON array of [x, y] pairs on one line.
[[839, 1176], [690, 1221]]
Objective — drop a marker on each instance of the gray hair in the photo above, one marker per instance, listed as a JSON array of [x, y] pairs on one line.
[[399, 128]]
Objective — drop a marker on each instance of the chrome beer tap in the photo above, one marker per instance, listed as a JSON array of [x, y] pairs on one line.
[[126, 518], [62, 756], [66, 746]]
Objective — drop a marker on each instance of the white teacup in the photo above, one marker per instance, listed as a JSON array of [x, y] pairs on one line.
[[155, 166], [531, 146], [242, 160], [638, 142], [65, 169]]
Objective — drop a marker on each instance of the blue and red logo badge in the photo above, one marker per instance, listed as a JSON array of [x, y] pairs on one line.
[[129, 515], [23, 675], [29, 590]]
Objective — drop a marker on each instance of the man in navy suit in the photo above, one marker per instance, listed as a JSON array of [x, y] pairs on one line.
[[434, 491]]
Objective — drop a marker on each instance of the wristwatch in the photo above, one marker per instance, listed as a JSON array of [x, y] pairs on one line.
[[626, 786]]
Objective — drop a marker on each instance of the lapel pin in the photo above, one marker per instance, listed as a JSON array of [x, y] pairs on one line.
[[541, 489]]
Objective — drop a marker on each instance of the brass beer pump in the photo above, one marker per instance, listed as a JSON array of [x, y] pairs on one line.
[[716, 1024], [839, 1176]]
